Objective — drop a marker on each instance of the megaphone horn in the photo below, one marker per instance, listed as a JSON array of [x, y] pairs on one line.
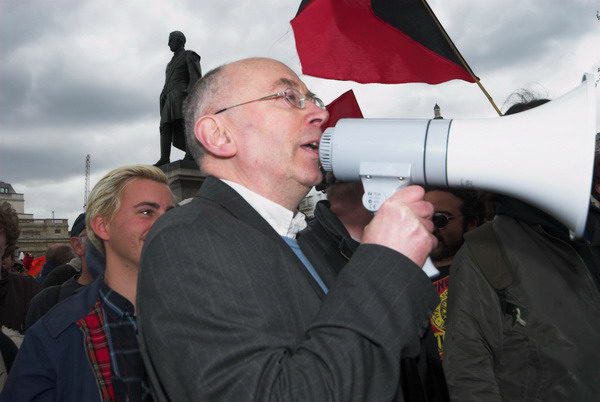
[[543, 156]]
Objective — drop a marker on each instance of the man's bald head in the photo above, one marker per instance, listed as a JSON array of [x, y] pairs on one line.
[[221, 87], [258, 126]]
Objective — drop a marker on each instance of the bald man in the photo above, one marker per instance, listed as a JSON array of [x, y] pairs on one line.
[[232, 305]]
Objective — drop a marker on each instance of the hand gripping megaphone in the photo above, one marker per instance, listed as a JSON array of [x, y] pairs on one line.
[[543, 156]]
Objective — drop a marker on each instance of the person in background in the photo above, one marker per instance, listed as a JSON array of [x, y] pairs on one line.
[[16, 291], [61, 274], [457, 211], [86, 348], [522, 304], [56, 255], [51, 295]]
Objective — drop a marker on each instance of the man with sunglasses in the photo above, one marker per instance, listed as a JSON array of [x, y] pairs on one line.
[[231, 307], [457, 211]]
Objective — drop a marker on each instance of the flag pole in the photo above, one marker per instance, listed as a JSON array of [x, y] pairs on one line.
[[462, 60]]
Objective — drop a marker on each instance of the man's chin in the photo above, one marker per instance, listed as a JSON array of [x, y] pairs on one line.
[[313, 180], [438, 255]]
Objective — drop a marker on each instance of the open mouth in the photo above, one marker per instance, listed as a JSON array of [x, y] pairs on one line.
[[313, 146]]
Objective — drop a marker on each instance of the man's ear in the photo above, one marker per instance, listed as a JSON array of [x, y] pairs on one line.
[[77, 246], [214, 137], [472, 224], [100, 227]]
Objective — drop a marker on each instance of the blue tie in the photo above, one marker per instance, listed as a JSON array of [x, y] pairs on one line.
[[296, 249]]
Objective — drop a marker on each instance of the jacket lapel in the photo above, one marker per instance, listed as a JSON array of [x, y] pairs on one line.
[[215, 190]]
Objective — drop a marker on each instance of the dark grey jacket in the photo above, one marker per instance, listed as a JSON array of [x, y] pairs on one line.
[[550, 351], [227, 311]]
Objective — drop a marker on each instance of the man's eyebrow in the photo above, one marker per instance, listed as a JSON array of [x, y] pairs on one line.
[[289, 83], [148, 203], [443, 211], [285, 82]]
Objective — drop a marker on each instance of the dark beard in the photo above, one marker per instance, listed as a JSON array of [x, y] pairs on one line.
[[446, 251]]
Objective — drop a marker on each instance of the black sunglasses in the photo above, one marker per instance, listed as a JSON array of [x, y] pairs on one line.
[[441, 219]]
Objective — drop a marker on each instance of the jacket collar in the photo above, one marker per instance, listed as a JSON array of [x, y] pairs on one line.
[[214, 190], [285, 222], [336, 229], [60, 317]]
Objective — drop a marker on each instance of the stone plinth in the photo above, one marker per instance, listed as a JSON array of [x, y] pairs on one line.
[[185, 178]]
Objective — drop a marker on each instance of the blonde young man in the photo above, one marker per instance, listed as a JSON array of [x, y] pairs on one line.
[[86, 348], [232, 307]]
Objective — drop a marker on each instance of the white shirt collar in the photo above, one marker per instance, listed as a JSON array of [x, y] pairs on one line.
[[285, 222]]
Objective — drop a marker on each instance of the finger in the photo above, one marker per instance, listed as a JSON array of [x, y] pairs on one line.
[[434, 242], [422, 209], [408, 194], [428, 224]]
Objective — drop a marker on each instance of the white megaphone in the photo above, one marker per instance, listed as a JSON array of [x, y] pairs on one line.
[[543, 156]]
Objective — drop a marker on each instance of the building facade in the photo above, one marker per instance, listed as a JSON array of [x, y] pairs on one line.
[[36, 234]]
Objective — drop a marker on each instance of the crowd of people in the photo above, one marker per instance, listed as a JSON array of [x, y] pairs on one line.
[[237, 296]]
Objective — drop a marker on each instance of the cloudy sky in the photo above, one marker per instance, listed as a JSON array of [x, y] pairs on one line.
[[82, 77]]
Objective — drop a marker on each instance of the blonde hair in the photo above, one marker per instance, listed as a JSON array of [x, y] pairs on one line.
[[105, 197]]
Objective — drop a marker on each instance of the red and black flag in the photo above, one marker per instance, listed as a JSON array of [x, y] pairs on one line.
[[375, 41], [343, 107]]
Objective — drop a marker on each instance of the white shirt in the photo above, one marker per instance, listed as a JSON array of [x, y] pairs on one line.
[[285, 222]]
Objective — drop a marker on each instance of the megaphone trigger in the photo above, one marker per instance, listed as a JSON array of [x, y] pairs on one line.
[[381, 180]]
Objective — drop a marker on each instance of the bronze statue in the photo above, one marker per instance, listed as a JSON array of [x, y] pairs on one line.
[[182, 72]]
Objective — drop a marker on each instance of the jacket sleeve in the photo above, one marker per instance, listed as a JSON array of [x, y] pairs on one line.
[[207, 334], [32, 377], [473, 332]]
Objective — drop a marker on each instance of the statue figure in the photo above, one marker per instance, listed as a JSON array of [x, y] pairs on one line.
[[182, 73]]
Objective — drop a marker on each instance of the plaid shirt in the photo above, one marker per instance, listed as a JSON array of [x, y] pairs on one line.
[[128, 372]]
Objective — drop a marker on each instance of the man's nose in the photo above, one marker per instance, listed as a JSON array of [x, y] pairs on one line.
[[321, 115]]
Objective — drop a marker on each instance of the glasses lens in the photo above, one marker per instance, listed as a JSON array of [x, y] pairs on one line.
[[318, 102], [294, 97], [440, 220]]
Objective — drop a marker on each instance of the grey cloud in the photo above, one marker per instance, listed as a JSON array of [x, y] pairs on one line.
[[70, 105], [49, 156], [505, 34], [25, 21], [61, 91], [46, 81]]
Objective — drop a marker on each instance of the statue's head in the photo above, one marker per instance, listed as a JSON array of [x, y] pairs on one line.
[[176, 40]]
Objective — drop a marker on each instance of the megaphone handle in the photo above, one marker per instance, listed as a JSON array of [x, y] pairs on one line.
[[376, 192], [430, 269]]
